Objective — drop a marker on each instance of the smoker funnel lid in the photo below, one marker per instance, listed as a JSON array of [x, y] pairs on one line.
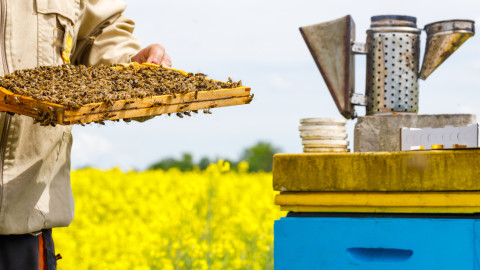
[[448, 26], [444, 38], [393, 20]]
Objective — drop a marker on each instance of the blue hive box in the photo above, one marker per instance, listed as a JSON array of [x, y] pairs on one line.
[[376, 243]]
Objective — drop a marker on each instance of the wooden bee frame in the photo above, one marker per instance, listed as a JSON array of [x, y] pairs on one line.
[[122, 109]]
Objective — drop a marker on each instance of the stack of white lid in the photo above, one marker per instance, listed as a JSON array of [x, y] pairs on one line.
[[323, 135]]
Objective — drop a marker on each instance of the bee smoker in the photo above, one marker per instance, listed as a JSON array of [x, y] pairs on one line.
[[393, 55]]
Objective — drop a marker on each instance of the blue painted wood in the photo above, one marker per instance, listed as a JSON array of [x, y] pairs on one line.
[[376, 243], [476, 239]]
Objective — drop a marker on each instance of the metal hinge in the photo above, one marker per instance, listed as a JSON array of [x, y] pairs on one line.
[[359, 48], [358, 99]]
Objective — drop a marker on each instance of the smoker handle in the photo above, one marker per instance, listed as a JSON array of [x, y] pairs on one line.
[[379, 255]]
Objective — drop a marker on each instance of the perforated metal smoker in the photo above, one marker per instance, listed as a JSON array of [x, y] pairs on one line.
[[393, 56], [393, 52]]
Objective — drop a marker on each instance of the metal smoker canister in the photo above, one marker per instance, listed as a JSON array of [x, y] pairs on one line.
[[393, 54]]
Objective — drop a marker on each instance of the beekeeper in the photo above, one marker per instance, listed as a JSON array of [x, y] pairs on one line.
[[35, 192]]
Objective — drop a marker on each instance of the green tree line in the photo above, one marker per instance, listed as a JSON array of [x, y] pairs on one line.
[[258, 156]]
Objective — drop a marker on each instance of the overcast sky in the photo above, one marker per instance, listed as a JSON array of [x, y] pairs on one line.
[[258, 42]]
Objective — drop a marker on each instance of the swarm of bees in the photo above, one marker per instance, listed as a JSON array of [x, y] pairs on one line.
[[74, 86]]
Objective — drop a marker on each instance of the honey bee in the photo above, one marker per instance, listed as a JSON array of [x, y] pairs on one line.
[[37, 112], [207, 111], [46, 116], [187, 113], [109, 115], [250, 98], [94, 108], [179, 115]]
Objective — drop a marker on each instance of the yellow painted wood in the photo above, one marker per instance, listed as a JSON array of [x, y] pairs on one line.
[[377, 199], [416, 171], [372, 209]]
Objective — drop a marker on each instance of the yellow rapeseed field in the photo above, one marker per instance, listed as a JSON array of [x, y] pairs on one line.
[[211, 219]]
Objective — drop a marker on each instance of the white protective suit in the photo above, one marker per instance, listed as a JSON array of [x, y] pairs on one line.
[[35, 190]]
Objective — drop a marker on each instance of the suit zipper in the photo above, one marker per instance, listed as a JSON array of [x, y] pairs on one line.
[[8, 116]]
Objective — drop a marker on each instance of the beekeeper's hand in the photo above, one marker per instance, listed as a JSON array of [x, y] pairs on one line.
[[154, 54]]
